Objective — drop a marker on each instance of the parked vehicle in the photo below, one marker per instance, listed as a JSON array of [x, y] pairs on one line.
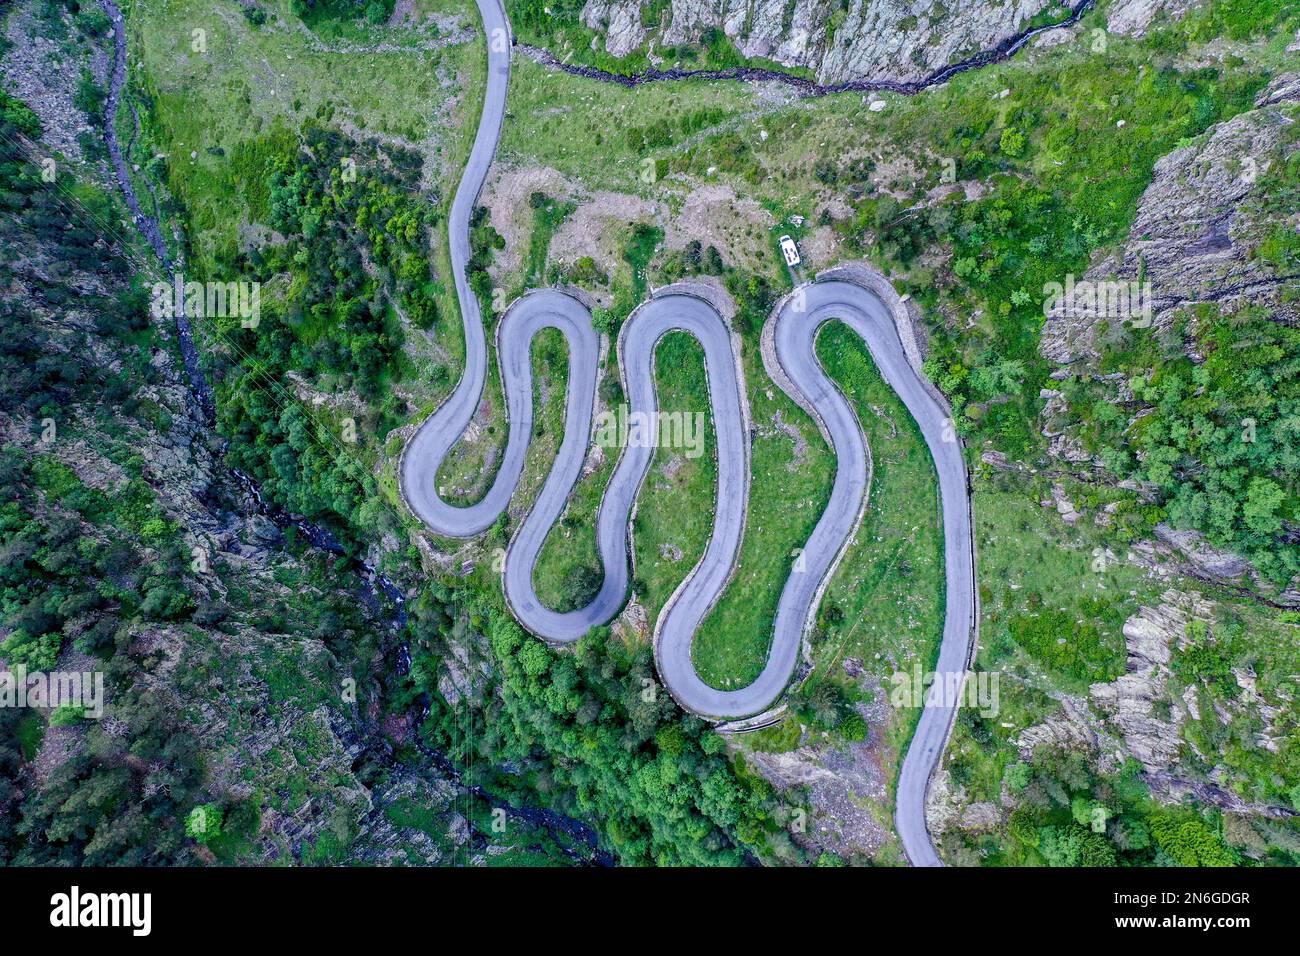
[[790, 251]]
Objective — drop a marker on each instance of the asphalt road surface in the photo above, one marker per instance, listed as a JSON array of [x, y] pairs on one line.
[[444, 427], [793, 337], [794, 341]]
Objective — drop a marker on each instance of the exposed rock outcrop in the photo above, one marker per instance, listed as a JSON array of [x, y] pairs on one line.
[[1194, 235], [1131, 700], [1195, 239], [1134, 17], [1210, 561], [844, 783], [44, 72], [841, 783], [1139, 717], [1070, 728], [839, 41]]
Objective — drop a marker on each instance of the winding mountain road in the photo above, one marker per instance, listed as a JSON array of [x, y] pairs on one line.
[[792, 332]]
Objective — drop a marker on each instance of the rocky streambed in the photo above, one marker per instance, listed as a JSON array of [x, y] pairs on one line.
[[1006, 48]]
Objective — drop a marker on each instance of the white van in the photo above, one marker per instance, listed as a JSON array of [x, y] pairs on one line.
[[790, 251]]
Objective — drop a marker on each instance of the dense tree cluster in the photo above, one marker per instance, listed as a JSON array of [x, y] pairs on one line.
[[1221, 442], [357, 253], [600, 738], [353, 224], [484, 242], [1212, 429], [541, 15], [1068, 814]]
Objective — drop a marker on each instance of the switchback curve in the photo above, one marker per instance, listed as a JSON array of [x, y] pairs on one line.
[[792, 331]]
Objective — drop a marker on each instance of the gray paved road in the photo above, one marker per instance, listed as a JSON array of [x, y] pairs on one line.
[[794, 341], [793, 337], [667, 311], [444, 427]]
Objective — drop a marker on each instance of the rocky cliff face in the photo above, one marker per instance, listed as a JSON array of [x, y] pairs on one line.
[[839, 40], [1135, 17], [1130, 701], [1202, 236], [1196, 235], [1147, 714]]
